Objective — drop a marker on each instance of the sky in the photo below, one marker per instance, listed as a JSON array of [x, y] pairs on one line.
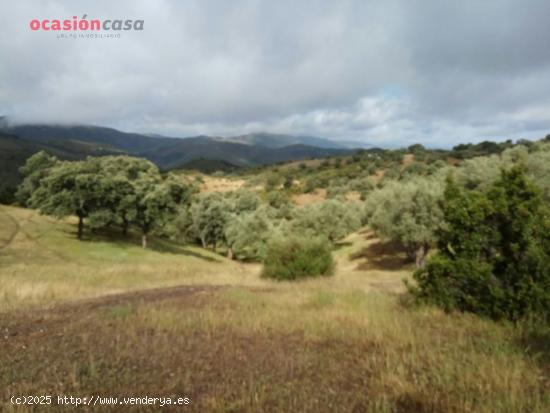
[[388, 72]]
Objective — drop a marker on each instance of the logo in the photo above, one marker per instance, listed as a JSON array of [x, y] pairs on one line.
[[92, 28]]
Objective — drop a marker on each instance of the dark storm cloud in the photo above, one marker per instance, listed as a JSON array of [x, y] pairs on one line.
[[387, 72]]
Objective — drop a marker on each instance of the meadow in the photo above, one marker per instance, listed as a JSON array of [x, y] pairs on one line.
[[105, 317]]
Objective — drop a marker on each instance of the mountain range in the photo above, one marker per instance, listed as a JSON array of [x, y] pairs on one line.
[[18, 142]]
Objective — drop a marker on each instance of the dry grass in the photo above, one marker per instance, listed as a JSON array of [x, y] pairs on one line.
[[314, 197], [408, 159], [214, 184], [346, 343], [45, 263]]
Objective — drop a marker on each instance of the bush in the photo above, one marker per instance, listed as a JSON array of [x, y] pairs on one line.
[[494, 253], [293, 258]]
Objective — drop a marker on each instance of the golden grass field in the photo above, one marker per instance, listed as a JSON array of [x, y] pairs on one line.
[[101, 317]]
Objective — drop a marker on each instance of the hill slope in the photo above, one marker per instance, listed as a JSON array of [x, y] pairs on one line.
[[238, 154], [111, 138], [218, 333]]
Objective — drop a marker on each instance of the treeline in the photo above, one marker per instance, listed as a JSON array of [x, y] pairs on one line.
[[478, 232], [488, 223], [131, 193], [371, 168], [103, 192]]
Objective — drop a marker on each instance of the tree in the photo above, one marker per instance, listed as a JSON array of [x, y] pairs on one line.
[[408, 213], [332, 219], [494, 252], [110, 190], [35, 169], [209, 219], [538, 167], [124, 172], [156, 201], [247, 235], [72, 188], [243, 200]]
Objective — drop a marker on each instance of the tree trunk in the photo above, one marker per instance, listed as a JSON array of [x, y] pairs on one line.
[[144, 240], [214, 246], [230, 253], [421, 255], [125, 227], [80, 227]]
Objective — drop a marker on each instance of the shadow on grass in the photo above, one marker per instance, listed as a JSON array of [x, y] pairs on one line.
[[535, 341], [388, 256], [342, 244], [131, 240]]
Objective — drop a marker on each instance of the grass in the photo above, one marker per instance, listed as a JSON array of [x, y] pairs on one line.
[[93, 321], [45, 263]]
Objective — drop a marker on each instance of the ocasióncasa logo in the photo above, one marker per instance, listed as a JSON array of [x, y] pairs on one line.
[[84, 24]]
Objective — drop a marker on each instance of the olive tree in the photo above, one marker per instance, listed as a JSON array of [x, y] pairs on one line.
[[247, 235], [332, 219], [409, 213], [209, 217]]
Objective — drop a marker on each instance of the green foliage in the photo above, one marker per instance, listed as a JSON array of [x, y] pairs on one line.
[[277, 199], [294, 258], [494, 254], [247, 235], [336, 192], [156, 202], [362, 185], [469, 150], [331, 219], [538, 167], [408, 213], [415, 169], [35, 169], [209, 217], [72, 188], [311, 185], [273, 182], [110, 190], [288, 181], [243, 200], [416, 149]]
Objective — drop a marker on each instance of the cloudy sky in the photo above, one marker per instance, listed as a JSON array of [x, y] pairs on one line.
[[388, 72]]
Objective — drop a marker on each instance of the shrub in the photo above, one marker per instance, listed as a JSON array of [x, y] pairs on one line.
[[293, 258], [494, 254]]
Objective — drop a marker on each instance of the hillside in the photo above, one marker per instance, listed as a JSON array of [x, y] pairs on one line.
[[116, 320], [132, 143], [272, 140], [237, 154]]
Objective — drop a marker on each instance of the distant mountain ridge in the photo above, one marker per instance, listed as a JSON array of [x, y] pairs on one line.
[[272, 140], [205, 153], [111, 138]]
